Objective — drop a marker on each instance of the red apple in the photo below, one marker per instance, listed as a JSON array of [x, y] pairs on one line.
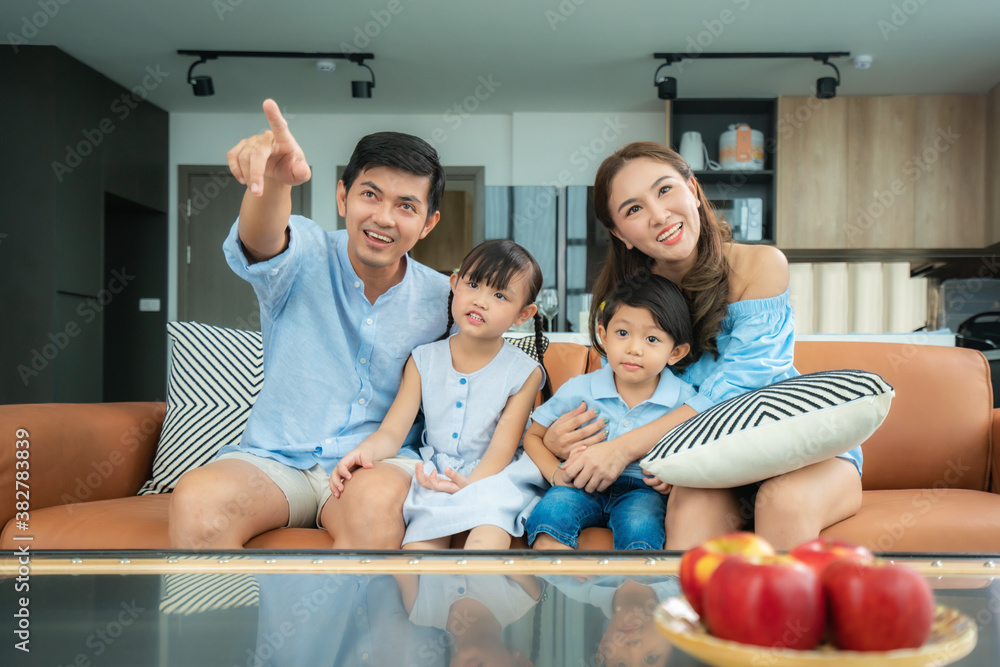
[[822, 551], [698, 563], [772, 601], [877, 607]]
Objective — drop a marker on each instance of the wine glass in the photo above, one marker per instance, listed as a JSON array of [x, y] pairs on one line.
[[548, 305]]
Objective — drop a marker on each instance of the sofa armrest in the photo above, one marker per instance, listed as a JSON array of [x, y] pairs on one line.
[[78, 452]]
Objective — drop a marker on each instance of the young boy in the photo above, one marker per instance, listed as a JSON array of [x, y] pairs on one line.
[[645, 327]]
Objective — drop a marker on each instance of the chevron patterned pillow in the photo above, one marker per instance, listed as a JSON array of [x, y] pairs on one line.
[[527, 345], [773, 430], [215, 375]]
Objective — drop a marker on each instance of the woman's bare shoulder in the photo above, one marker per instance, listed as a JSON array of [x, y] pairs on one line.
[[756, 271]]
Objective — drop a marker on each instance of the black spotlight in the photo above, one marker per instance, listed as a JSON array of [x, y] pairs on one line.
[[826, 87], [201, 85], [666, 88], [362, 90]]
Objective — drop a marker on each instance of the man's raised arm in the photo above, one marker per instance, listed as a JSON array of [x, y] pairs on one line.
[[269, 164]]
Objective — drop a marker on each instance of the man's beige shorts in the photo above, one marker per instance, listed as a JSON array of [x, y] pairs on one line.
[[305, 490]]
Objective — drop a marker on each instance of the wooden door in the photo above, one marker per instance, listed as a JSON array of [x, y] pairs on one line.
[[207, 289], [447, 244]]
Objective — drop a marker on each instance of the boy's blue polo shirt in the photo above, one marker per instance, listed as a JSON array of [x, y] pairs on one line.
[[597, 390], [332, 360]]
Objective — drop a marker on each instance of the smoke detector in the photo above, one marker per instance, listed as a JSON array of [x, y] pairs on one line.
[[863, 61], [325, 65]]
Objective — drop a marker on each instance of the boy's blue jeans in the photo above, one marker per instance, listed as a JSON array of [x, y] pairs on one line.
[[634, 512]]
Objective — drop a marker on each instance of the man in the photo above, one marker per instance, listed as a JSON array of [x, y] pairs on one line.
[[340, 313]]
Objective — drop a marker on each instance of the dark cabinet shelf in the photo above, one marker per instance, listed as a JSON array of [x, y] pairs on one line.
[[735, 177], [710, 118]]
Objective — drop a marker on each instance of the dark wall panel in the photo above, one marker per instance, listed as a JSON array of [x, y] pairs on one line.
[[54, 218]]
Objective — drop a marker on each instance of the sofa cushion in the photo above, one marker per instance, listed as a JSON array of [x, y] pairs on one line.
[[772, 430], [936, 520], [214, 378]]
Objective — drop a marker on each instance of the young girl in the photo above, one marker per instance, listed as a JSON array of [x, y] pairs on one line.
[[645, 327], [476, 392]]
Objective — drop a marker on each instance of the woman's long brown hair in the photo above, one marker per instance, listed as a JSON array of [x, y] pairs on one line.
[[706, 285]]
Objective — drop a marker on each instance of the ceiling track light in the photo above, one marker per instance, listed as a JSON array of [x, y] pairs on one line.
[[826, 87], [202, 85], [361, 89]]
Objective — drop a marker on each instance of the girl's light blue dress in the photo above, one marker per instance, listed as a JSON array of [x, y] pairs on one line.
[[461, 411], [756, 346]]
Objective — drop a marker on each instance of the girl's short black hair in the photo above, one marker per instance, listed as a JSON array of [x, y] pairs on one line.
[[665, 302], [400, 151]]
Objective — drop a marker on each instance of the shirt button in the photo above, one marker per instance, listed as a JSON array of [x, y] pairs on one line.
[[357, 284], [462, 381], [626, 424], [368, 321], [454, 436], [328, 441], [360, 611], [361, 401], [363, 360], [459, 404], [461, 590], [364, 656]]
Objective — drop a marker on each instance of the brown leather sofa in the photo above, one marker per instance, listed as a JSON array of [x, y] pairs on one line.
[[931, 478]]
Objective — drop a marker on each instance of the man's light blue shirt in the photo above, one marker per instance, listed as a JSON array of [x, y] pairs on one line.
[[597, 390], [332, 360]]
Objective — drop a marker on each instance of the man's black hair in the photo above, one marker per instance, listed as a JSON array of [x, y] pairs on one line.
[[398, 151], [663, 299]]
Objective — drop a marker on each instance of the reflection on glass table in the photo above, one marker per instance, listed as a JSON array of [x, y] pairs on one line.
[[512, 609]]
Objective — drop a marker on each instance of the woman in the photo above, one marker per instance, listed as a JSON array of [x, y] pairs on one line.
[[660, 221]]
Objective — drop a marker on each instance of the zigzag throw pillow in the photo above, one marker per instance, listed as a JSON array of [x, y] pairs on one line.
[[772, 430], [527, 345], [215, 376]]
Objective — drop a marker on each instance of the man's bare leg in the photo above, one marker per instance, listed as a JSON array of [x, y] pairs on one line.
[[223, 504], [369, 513]]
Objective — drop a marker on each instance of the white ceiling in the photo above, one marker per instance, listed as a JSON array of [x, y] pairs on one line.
[[547, 56]]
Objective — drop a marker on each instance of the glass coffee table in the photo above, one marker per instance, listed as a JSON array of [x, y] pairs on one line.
[[380, 608]]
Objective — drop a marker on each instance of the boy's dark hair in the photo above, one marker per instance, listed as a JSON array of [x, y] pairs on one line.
[[398, 151], [665, 302], [495, 263]]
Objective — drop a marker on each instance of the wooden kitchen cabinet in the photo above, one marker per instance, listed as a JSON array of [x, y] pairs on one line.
[[879, 195], [882, 172], [993, 166], [811, 172], [947, 171]]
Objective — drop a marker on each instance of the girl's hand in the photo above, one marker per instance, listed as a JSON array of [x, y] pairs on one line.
[[354, 459], [435, 482], [578, 427], [656, 483], [596, 467]]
